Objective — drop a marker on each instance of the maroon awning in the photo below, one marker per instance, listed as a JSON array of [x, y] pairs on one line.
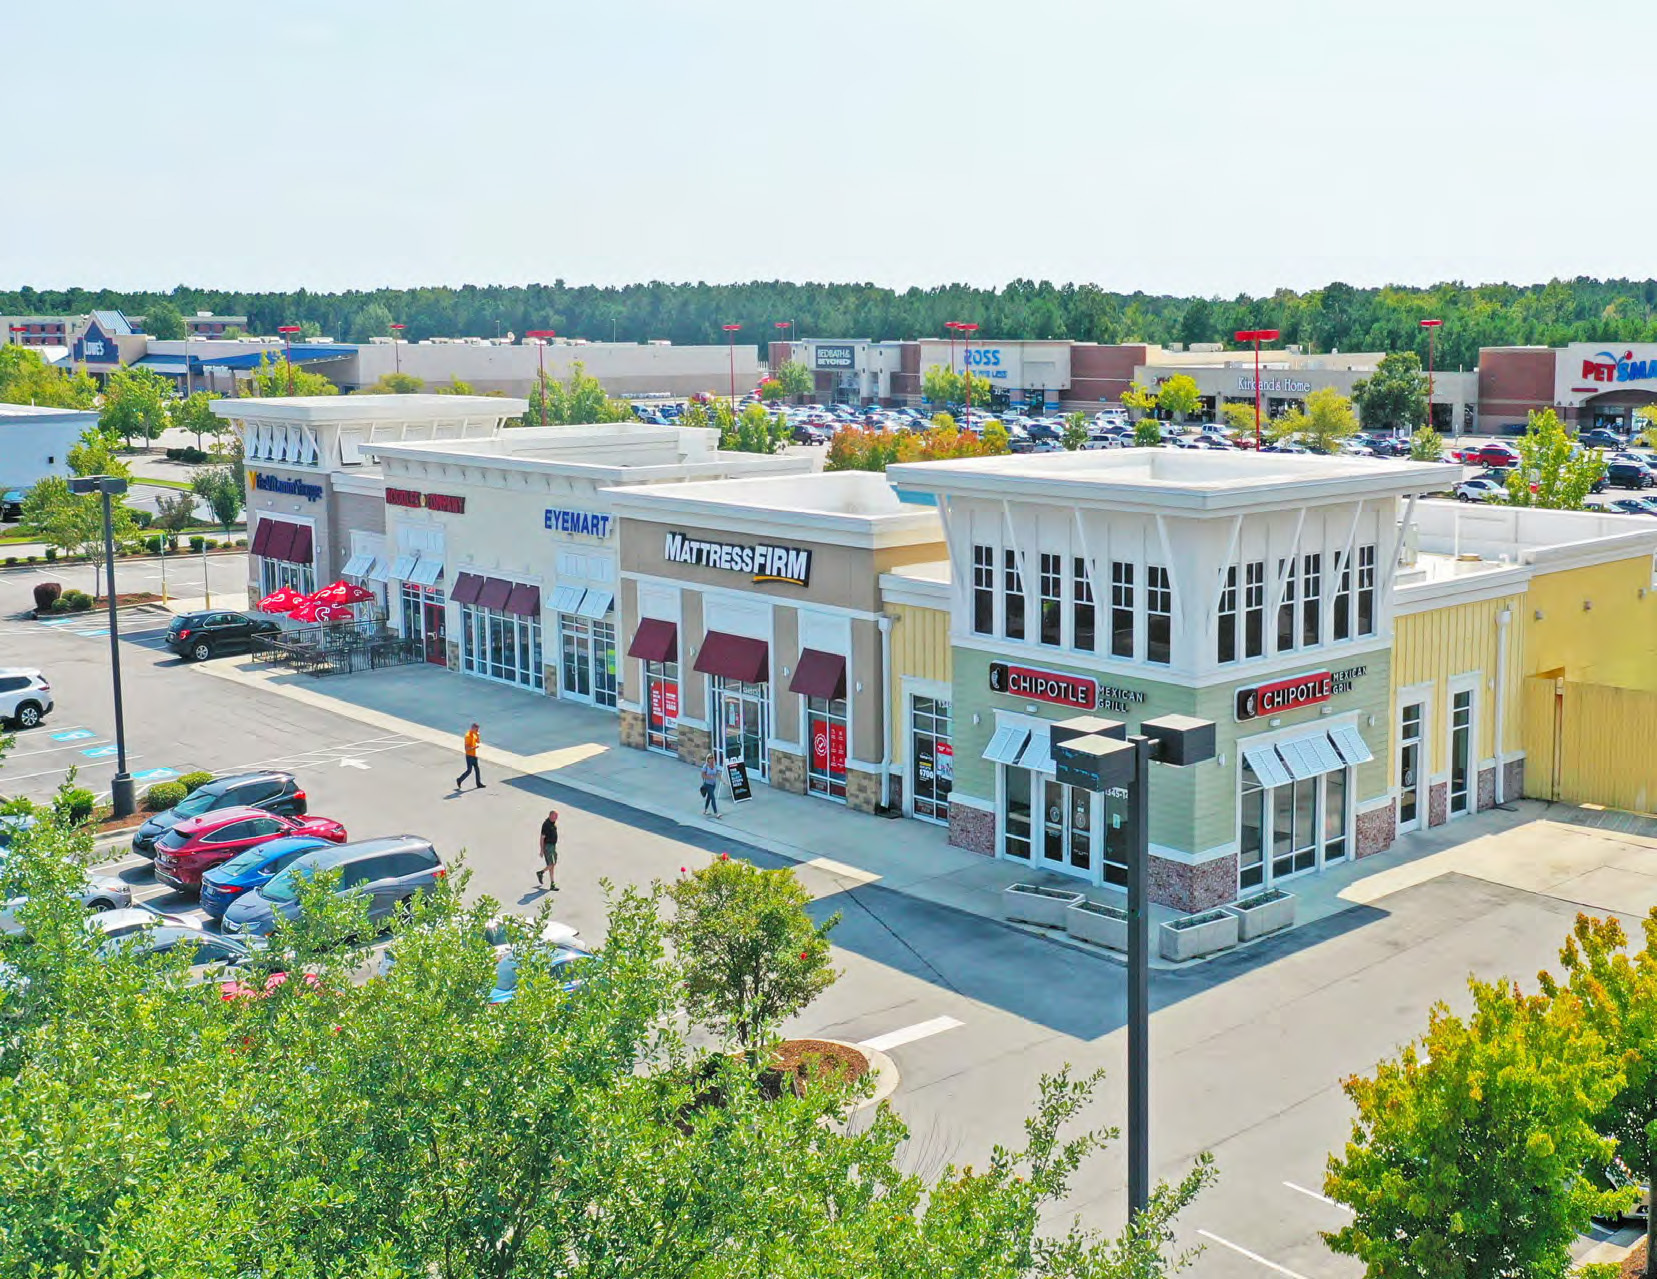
[[819, 674], [525, 601], [300, 551], [655, 641], [467, 586], [494, 594], [280, 542], [261, 536], [734, 657]]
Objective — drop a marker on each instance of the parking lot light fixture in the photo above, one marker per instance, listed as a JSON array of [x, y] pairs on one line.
[[287, 331], [121, 788], [967, 330], [541, 337], [397, 344], [1257, 336], [731, 330], [1432, 327]]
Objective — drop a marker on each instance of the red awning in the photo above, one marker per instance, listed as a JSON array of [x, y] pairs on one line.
[[280, 543], [525, 601], [655, 641], [300, 551], [261, 537], [819, 674], [467, 586], [734, 657], [494, 594]]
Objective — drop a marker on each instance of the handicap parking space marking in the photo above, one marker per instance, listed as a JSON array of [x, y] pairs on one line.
[[155, 775], [72, 734], [100, 752], [103, 634]]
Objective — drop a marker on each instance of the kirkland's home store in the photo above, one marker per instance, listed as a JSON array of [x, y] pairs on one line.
[[752, 624], [503, 551], [1140, 584]]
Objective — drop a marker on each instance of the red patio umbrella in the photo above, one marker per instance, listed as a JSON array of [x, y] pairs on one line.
[[282, 600], [342, 592], [313, 610]]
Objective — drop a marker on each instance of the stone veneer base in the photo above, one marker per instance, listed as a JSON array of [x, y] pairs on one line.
[[692, 744], [632, 729], [788, 771], [1486, 794], [1376, 829], [1193, 888], [972, 829], [1513, 780], [862, 791], [1438, 803]]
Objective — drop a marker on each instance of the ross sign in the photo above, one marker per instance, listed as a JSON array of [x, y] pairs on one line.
[[1287, 694], [1292, 385], [276, 484], [762, 561], [987, 361], [836, 357], [445, 502], [736, 774], [1044, 686], [582, 523]]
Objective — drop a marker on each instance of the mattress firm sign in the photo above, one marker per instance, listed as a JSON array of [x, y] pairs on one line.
[[760, 561]]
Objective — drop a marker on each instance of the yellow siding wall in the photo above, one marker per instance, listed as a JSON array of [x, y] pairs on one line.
[[920, 650], [1582, 739], [1436, 646], [1614, 642]]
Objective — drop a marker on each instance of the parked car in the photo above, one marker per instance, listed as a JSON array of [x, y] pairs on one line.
[[11, 505], [250, 868], [1617, 1175], [25, 697], [389, 871], [125, 920], [198, 844], [202, 635], [1495, 455], [1629, 475], [569, 965], [1600, 438], [810, 433], [1480, 489], [1632, 505], [166, 934], [272, 791], [97, 893]]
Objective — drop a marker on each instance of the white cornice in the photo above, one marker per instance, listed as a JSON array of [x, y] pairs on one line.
[[1471, 588]]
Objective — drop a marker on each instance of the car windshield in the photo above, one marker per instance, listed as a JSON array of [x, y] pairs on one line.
[[564, 966], [285, 887], [243, 862], [195, 805]]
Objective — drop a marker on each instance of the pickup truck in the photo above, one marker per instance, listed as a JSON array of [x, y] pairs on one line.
[[1495, 455]]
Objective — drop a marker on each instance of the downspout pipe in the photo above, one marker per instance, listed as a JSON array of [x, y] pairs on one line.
[[1504, 619], [885, 623]]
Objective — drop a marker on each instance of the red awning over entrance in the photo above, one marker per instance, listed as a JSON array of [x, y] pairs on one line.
[[467, 586], [819, 674], [525, 601], [279, 545], [734, 657], [494, 594], [261, 537], [655, 641]]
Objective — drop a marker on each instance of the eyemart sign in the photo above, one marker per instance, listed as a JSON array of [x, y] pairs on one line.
[[1586, 369]]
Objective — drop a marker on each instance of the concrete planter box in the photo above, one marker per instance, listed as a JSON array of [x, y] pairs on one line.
[[1198, 935], [1263, 913], [1033, 904], [1098, 923]]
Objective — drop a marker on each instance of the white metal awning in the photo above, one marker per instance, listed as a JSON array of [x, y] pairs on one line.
[[357, 565], [1038, 752], [567, 599], [1005, 746], [1350, 743], [380, 570], [595, 604], [403, 569], [1267, 766], [1309, 755], [426, 571]]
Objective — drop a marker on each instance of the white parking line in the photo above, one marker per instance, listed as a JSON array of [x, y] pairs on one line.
[[1252, 1256], [1312, 1194], [909, 1034]]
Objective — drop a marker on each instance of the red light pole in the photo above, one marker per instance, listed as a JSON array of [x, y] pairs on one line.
[[733, 330], [18, 328], [397, 344], [966, 331], [287, 331], [1257, 336], [1432, 327], [541, 336]]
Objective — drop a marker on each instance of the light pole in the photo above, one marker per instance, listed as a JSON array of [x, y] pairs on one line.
[[120, 790], [966, 331], [1257, 336], [397, 344], [287, 331], [1432, 327], [19, 328], [1098, 755], [732, 330], [541, 336]]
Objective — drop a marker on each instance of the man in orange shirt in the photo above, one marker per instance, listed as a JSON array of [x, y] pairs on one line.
[[472, 738]]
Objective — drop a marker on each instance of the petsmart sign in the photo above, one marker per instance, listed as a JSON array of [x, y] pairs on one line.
[[277, 484], [1585, 369]]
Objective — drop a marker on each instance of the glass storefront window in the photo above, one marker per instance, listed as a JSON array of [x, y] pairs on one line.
[[1016, 842], [826, 733], [661, 695], [587, 665], [1334, 816], [424, 618], [1251, 859], [1461, 750], [501, 646], [743, 713], [275, 574], [933, 759], [1409, 766]]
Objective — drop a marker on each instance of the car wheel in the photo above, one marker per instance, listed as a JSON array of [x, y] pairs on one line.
[[99, 903], [28, 715], [201, 650]]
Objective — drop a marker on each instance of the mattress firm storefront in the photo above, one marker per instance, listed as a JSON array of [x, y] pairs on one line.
[[751, 615]]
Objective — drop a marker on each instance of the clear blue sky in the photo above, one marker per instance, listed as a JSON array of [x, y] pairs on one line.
[[1203, 146]]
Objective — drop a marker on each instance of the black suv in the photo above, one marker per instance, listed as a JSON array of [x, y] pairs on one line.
[[201, 635], [1629, 475], [272, 791]]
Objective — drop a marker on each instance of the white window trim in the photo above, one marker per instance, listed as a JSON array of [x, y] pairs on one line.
[[1467, 682]]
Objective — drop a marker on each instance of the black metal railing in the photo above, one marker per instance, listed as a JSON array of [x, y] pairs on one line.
[[336, 650]]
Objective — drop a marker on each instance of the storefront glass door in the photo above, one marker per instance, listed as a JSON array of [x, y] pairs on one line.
[[423, 620], [744, 717], [1409, 767], [1295, 827], [587, 659], [661, 695], [1068, 828], [932, 760], [1461, 752]]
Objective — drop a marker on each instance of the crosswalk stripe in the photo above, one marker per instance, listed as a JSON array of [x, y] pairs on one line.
[[909, 1034]]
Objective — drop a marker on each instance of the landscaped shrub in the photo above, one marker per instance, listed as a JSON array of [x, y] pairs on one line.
[[197, 542], [11, 560], [192, 455], [75, 602], [51, 554], [46, 594], [59, 605], [74, 804], [152, 544], [143, 518], [163, 795], [33, 559], [195, 781]]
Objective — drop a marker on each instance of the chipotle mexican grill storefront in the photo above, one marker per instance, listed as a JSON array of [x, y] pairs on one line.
[[752, 626]]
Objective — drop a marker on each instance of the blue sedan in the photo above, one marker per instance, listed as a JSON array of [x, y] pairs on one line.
[[224, 884], [569, 967]]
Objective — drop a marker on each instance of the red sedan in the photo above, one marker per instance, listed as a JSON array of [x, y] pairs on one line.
[[193, 847]]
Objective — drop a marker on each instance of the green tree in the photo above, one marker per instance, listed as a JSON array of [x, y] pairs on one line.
[[577, 401], [373, 321], [221, 489], [695, 416], [942, 385], [1394, 397], [95, 455], [794, 378], [136, 402], [163, 322], [1562, 472], [756, 430], [1618, 995], [457, 387], [1239, 419], [1138, 400], [1178, 395], [393, 384], [770, 390], [74, 524], [26, 378], [1075, 431], [1147, 433], [1426, 445], [1326, 420], [276, 376], [175, 511], [994, 440], [1645, 420], [193, 414]]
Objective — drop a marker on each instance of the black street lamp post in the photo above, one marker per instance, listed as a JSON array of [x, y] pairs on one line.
[[120, 789], [1097, 754]]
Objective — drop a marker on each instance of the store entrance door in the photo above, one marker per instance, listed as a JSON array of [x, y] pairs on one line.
[[1069, 822], [745, 724], [437, 653]]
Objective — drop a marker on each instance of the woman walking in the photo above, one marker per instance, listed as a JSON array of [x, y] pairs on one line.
[[549, 851], [710, 786]]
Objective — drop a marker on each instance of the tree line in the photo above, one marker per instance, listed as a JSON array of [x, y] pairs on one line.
[[1336, 317]]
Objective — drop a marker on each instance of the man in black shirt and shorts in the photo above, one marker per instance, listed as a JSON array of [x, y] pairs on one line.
[[549, 851]]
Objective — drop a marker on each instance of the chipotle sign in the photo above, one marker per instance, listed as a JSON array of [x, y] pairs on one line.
[[1285, 694], [1044, 686]]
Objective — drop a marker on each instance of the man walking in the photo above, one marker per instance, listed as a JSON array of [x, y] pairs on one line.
[[472, 739], [710, 786], [549, 851]]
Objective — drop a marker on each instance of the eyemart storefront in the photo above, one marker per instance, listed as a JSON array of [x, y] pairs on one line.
[[1299, 781]]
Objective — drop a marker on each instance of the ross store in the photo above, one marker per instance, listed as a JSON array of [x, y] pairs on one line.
[[753, 623]]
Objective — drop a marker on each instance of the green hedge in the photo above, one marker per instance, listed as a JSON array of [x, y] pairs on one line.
[[194, 781], [163, 795]]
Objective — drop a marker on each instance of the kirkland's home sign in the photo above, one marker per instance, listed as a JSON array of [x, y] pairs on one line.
[[276, 484], [445, 502], [1296, 691], [765, 563]]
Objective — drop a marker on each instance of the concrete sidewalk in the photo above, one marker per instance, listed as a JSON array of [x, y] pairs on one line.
[[576, 746]]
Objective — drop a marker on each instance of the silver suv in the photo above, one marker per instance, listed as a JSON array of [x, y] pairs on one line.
[[25, 697]]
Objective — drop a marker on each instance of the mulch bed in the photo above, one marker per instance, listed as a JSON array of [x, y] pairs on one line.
[[113, 824], [1633, 1265], [816, 1058]]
